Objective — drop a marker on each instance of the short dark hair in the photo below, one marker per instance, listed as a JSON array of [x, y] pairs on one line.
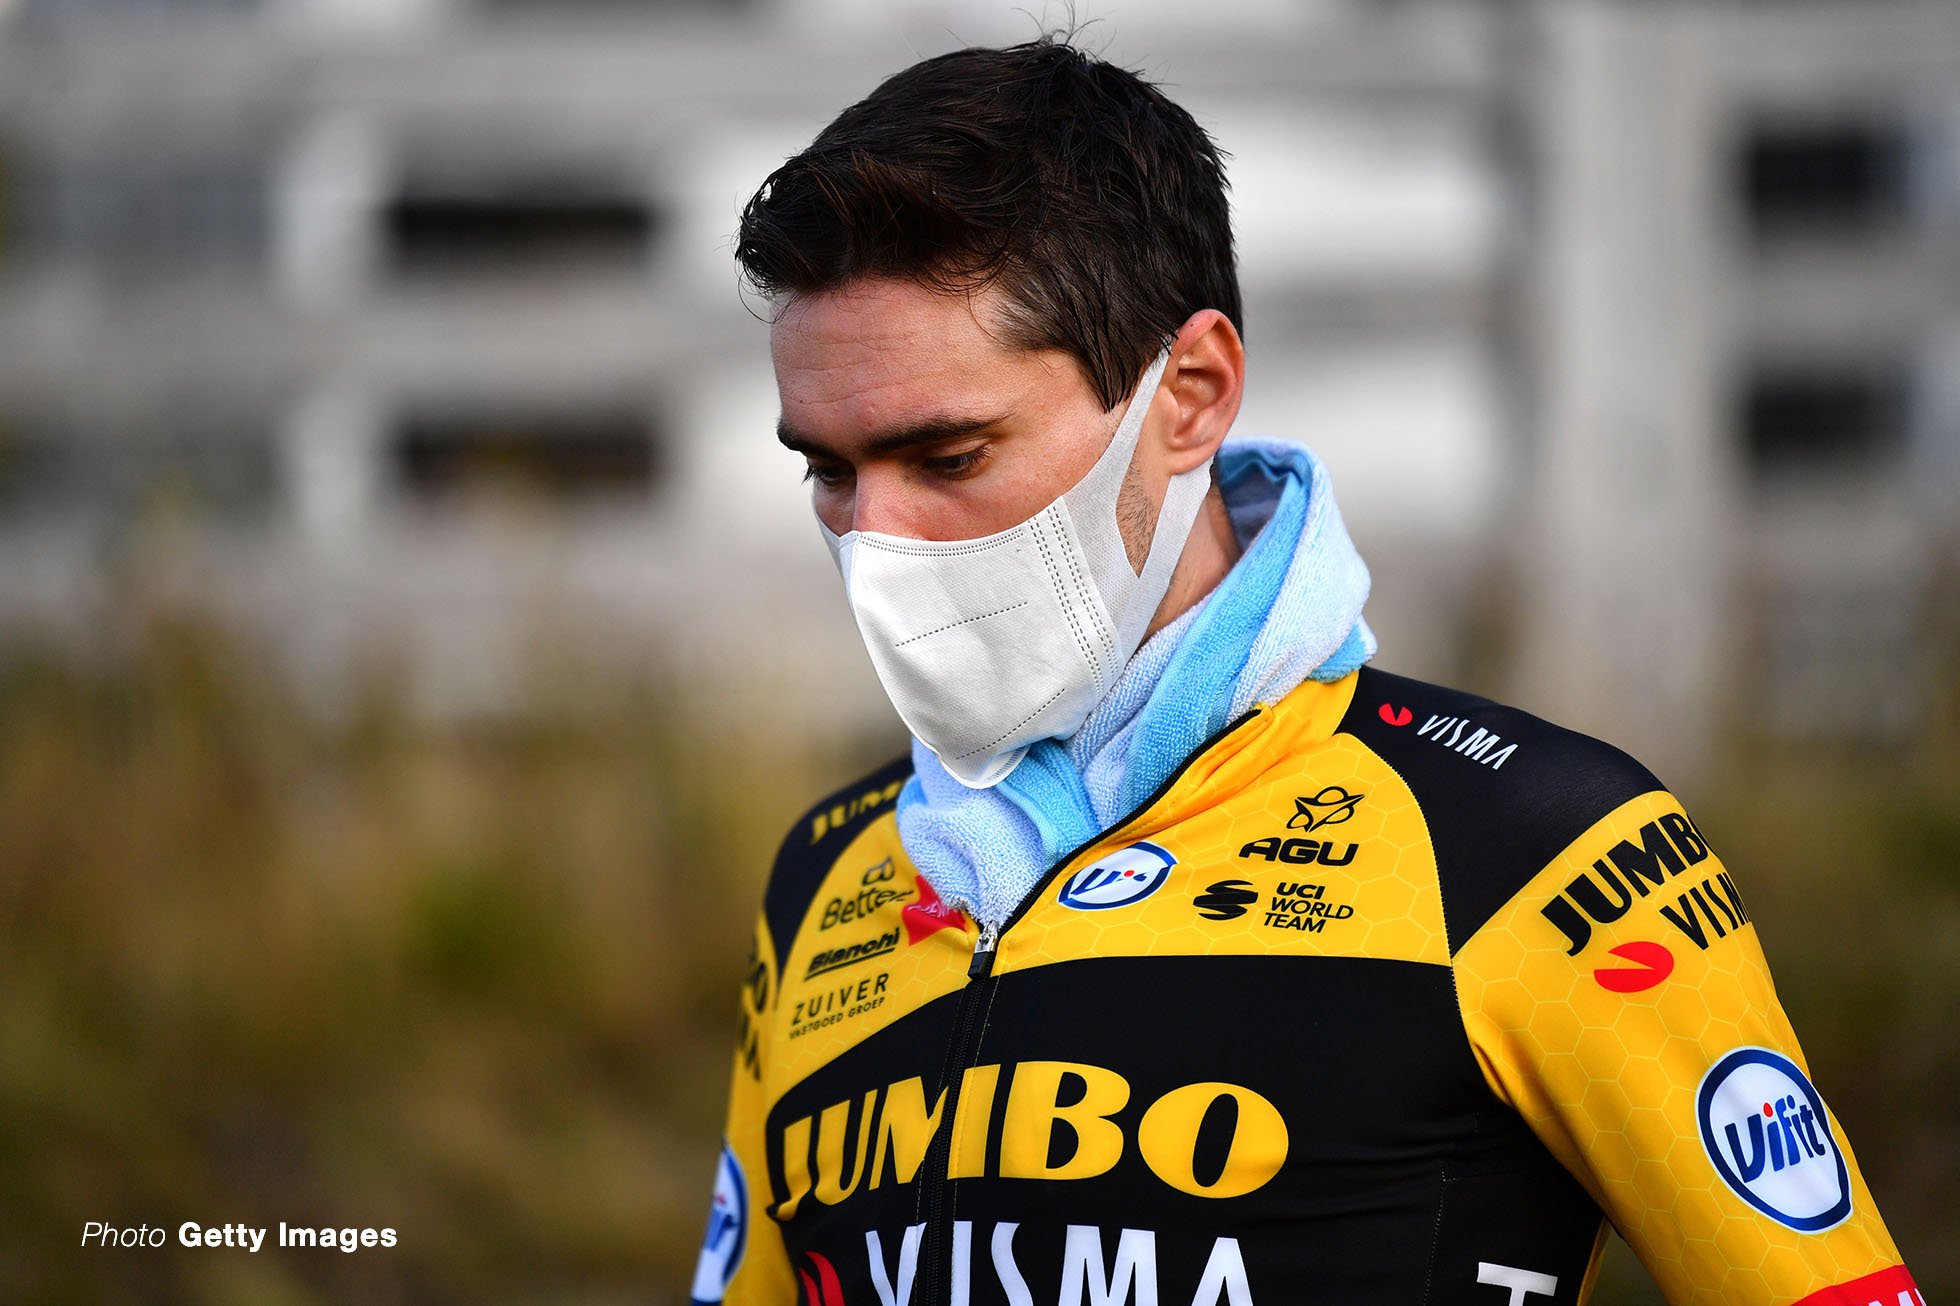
[[1093, 202]]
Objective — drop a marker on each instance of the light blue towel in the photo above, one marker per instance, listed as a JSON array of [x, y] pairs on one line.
[[1289, 609]]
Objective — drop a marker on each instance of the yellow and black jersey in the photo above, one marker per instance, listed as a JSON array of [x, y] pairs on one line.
[[1389, 995]]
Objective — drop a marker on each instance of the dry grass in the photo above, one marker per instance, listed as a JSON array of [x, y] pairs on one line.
[[476, 982]]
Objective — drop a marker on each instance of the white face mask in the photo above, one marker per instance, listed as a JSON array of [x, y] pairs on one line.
[[987, 645]]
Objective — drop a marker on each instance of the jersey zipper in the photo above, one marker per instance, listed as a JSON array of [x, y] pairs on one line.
[[935, 1271], [936, 1253]]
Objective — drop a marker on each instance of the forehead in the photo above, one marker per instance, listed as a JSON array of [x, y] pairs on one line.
[[881, 312], [886, 351], [881, 320]]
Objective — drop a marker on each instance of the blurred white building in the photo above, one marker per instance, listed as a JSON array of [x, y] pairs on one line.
[[409, 328]]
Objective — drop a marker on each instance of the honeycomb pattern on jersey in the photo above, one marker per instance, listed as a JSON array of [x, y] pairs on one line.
[[1390, 882], [1609, 1079], [1606, 1079], [1403, 913]]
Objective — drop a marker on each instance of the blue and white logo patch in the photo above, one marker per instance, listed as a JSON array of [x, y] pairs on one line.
[[728, 1231], [1767, 1133], [1126, 876]]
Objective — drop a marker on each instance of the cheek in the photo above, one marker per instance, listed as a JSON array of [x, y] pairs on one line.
[[1025, 488], [1054, 456]]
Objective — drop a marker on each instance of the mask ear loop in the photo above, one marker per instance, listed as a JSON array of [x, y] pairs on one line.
[[1090, 506], [1092, 503], [1184, 499]]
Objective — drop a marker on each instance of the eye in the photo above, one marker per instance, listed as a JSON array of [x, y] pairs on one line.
[[828, 475], [956, 466]]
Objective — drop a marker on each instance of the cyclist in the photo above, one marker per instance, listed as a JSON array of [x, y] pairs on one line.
[[1187, 958]]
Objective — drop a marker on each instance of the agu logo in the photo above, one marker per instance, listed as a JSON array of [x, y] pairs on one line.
[[728, 1231], [1129, 875], [1765, 1129]]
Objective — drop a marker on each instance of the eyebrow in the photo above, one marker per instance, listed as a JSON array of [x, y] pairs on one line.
[[927, 432]]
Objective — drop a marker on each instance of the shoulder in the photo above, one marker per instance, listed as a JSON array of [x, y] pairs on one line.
[[816, 840], [1502, 792]]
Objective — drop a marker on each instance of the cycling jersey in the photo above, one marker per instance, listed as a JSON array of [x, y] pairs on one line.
[[1386, 996]]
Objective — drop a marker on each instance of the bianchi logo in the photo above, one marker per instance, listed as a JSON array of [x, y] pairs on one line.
[[1767, 1133], [1226, 900], [1330, 806], [728, 1231], [1126, 876], [851, 954]]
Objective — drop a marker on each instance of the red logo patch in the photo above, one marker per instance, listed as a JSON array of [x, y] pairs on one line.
[[1652, 963], [1887, 1285], [824, 1290], [1396, 716], [929, 914]]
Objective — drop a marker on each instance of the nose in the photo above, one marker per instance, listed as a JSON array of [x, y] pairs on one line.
[[884, 502]]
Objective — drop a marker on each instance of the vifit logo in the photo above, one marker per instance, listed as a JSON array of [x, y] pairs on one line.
[[1766, 1132], [728, 1232], [1126, 876]]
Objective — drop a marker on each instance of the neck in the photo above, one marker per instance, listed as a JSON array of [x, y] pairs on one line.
[[1208, 555]]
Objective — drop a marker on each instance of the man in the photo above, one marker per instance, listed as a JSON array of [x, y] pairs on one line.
[[1187, 959]]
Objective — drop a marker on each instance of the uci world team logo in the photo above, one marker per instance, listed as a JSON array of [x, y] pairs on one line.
[[1769, 1137], [1126, 876], [728, 1232]]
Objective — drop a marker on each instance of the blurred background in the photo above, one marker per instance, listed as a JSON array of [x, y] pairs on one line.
[[413, 641]]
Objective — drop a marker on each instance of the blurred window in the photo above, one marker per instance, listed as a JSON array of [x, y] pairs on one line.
[[514, 229], [556, 456], [151, 213], [1830, 179], [1824, 419], [621, 6], [222, 469], [64, 10]]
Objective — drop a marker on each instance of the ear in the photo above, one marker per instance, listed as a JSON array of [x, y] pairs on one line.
[[1198, 397]]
